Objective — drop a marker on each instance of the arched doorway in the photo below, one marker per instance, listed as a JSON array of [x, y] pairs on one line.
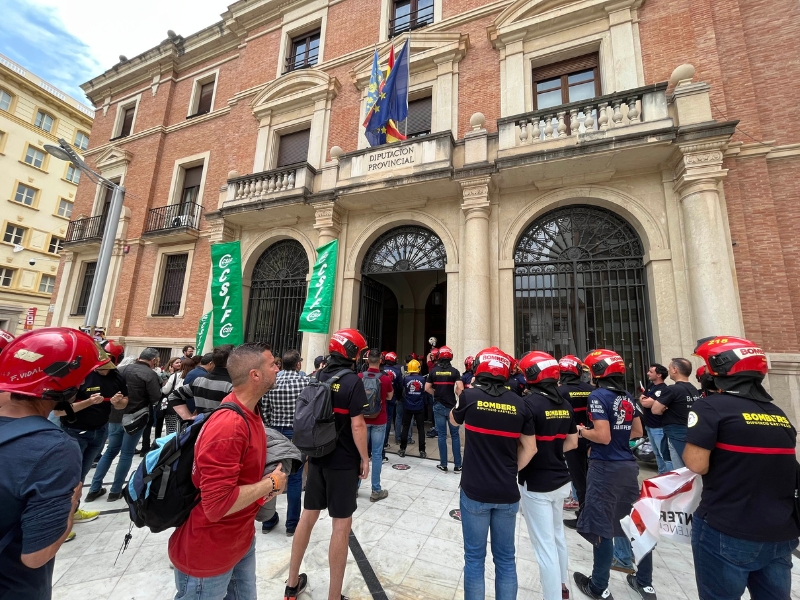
[[398, 274], [580, 284], [277, 295]]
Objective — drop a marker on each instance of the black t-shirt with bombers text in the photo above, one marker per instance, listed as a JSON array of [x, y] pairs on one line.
[[443, 379], [493, 426], [748, 492], [552, 421], [678, 399], [349, 400], [577, 394]]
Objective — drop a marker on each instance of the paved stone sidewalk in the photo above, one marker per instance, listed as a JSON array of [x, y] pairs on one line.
[[409, 540]]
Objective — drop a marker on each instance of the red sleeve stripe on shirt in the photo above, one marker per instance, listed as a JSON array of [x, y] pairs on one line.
[[550, 438], [754, 449], [578, 409], [342, 411], [492, 431], [443, 382]]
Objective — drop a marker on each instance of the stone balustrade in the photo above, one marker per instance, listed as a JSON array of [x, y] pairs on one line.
[[267, 185], [589, 119]]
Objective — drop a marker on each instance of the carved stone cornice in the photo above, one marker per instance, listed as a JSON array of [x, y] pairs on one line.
[[699, 164], [475, 195], [327, 219], [222, 231]]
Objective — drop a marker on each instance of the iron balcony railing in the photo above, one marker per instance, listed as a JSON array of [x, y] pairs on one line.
[[410, 21], [304, 60], [82, 230], [174, 216]]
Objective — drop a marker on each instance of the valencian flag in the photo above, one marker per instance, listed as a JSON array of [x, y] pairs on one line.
[[387, 99]]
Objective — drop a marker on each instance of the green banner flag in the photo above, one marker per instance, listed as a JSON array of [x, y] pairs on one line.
[[316, 317], [202, 332], [226, 293]]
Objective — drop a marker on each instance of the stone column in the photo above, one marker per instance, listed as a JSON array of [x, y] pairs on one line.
[[327, 222], [712, 292], [477, 306]]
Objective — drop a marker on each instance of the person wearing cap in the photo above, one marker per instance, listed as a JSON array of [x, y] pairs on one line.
[[612, 484], [444, 384], [319, 363], [40, 480], [332, 481], [500, 442], [746, 526], [544, 483], [576, 392], [201, 370]]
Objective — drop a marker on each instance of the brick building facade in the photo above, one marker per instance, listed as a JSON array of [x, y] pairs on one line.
[[574, 181]]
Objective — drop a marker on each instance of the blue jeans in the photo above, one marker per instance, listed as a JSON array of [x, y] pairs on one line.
[[90, 442], [391, 407], [724, 565], [603, 553], [676, 438], [237, 584], [477, 520], [442, 416], [377, 433], [398, 423], [656, 437], [623, 554], [294, 491], [120, 443]]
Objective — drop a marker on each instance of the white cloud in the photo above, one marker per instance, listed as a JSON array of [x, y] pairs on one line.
[[110, 27]]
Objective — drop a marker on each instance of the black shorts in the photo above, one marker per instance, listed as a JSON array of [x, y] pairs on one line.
[[333, 489]]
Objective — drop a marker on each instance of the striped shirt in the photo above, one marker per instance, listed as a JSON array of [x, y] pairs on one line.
[[208, 392], [277, 405]]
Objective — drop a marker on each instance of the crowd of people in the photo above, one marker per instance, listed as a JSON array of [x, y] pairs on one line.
[[537, 431]]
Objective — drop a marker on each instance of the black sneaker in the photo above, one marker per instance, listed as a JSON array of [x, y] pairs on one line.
[[411, 442], [423, 455], [442, 468], [401, 453], [584, 585], [457, 469], [385, 458], [92, 496], [647, 592], [432, 433], [292, 593], [571, 523], [112, 497]]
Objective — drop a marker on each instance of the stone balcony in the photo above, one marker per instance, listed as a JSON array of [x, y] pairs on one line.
[[420, 165], [637, 118], [286, 185]]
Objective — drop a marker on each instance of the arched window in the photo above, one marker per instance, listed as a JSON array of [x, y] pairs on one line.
[[580, 284], [277, 295], [407, 248]]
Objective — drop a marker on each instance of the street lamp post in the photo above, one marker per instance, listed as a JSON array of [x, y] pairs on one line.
[[65, 152]]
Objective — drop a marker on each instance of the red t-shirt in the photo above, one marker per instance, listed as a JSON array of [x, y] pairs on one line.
[[226, 456], [386, 387]]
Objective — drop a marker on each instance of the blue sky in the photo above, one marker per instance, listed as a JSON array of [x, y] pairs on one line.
[[68, 43]]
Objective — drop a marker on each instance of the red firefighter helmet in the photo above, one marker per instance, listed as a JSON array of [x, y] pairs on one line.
[[468, 362], [348, 343], [570, 364], [726, 356], [604, 363], [493, 361], [434, 354], [391, 357], [114, 350], [5, 339], [445, 353], [701, 370], [49, 363], [537, 366]]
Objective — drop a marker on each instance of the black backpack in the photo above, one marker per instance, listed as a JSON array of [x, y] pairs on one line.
[[315, 432], [160, 493]]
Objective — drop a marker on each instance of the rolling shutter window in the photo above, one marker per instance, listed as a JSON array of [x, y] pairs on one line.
[[293, 148], [418, 121]]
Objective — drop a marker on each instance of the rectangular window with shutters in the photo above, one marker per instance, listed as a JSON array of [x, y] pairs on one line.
[[410, 14], [293, 148], [418, 121], [169, 302], [202, 101], [82, 302], [304, 51], [191, 185], [567, 81]]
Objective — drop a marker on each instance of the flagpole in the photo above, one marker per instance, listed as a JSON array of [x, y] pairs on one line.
[[408, 68]]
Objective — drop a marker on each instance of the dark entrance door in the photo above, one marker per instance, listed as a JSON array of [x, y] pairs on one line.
[[579, 285], [401, 251], [277, 295]]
